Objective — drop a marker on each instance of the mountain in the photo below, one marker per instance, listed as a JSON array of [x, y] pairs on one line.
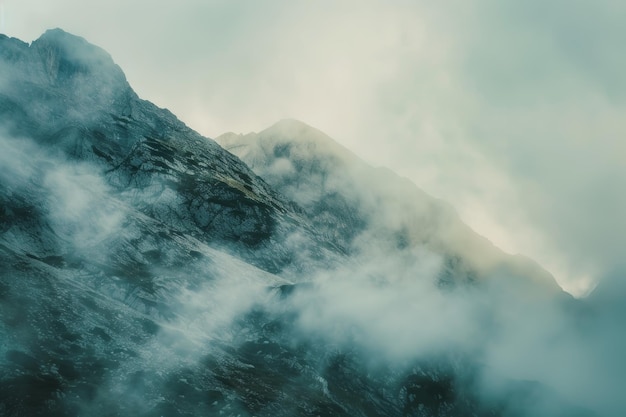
[[352, 203], [147, 271]]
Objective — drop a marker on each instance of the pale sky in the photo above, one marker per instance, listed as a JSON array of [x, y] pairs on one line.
[[513, 111]]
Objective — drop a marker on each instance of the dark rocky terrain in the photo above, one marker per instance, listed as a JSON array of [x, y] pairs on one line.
[[147, 271]]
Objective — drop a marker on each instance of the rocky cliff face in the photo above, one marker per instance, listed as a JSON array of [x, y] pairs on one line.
[[145, 270]]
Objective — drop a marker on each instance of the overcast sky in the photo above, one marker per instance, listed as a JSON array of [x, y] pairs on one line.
[[513, 111]]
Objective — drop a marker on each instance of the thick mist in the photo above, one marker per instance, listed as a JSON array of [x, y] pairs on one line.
[[390, 306], [74, 198]]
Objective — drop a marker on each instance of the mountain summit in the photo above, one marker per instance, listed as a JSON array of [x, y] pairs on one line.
[[146, 270], [62, 67]]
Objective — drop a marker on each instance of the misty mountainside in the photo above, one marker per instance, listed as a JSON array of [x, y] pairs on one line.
[[147, 271], [361, 207]]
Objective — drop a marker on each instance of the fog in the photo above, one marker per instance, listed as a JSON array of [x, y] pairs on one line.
[[74, 197], [390, 306]]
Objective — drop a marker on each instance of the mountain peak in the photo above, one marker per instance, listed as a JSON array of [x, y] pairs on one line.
[[66, 56], [292, 137], [65, 68], [292, 125], [300, 141], [296, 131], [59, 35], [75, 46]]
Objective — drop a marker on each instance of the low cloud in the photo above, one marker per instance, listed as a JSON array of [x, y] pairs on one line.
[[392, 308], [75, 198], [81, 208]]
